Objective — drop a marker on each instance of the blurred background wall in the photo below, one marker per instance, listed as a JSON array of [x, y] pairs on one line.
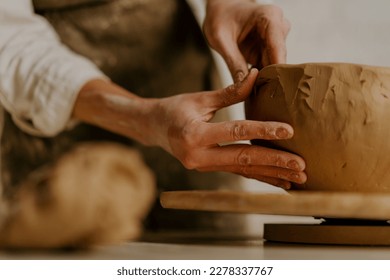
[[356, 31]]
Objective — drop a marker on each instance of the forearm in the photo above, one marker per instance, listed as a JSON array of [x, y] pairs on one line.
[[113, 108]]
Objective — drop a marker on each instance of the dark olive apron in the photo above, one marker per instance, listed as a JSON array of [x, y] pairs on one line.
[[153, 48]]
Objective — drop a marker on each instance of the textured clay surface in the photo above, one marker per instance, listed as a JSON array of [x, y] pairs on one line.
[[340, 114]]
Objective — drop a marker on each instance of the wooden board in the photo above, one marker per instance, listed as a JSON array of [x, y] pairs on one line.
[[346, 205]]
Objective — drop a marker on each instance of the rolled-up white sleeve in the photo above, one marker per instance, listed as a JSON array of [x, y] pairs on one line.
[[39, 77]]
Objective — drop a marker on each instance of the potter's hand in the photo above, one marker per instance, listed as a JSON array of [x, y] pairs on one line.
[[245, 32], [181, 125], [185, 132]]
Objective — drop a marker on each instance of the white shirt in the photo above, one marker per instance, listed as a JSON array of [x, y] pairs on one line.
[[39, 76]]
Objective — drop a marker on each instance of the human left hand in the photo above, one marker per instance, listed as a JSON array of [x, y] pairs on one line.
[[243, 32]]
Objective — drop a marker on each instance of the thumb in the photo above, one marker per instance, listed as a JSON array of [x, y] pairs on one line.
[[235, 61], [233, 94]]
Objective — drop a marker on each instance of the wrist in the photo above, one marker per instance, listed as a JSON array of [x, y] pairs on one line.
[[106, 105]]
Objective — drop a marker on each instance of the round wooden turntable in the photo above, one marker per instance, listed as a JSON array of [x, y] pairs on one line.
[[347, 218]]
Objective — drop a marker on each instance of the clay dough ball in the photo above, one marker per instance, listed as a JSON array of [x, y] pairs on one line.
[[98, 193], [340, 114]]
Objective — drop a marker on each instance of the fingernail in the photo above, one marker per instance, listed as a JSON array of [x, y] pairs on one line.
[[282, 133], [297, 178], [293, 164], [294, 176], [239, 76]]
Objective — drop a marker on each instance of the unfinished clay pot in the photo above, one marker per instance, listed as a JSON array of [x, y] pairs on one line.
[[341, 119]]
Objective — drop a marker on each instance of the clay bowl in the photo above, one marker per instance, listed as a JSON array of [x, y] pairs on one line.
[[341, 119]]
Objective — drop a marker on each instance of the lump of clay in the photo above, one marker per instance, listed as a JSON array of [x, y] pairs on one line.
[[340, 114], [98, 193]]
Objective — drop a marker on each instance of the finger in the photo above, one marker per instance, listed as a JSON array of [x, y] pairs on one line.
[[234, 93], [234, 59], [236, 63], [246, 155], [253, 171], [275, 45], [222, 132]]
